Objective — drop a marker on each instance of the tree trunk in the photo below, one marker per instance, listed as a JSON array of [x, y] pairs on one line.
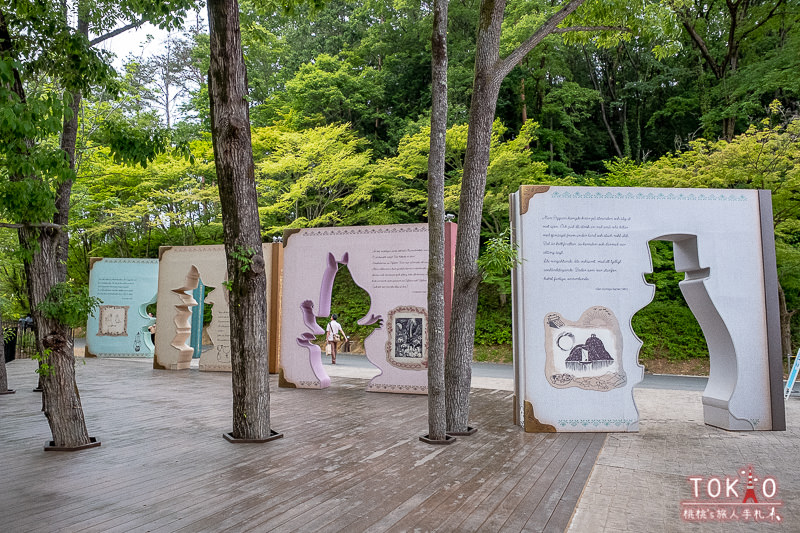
[[603, 114], [626, 136], [461, 341], [489, 74], [786, 323], [61, 402], [437, 421], [233, 154], [728, 128], [3, 372], [45, 265]]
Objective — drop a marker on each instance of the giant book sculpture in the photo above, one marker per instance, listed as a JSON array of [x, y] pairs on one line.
[[584, 252]]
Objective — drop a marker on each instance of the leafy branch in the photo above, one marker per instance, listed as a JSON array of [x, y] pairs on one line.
[[244, 256], [44, 368], [69, 305]]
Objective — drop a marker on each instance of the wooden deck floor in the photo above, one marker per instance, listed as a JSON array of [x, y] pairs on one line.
[[349, 461]]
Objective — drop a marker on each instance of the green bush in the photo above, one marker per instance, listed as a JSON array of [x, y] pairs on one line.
[[669, 330], [667, 326], [493, 321], [351, 303]]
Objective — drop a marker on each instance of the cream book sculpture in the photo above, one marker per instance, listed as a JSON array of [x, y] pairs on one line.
[[584, 253]]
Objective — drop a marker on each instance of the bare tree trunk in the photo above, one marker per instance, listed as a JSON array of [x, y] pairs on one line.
[[458, 362], [490, 71], [437, 422], [593, 76], [728, 128], [3, 371], [61, 400], [233, 154], [69, 139], [3, 377], [786, 323]]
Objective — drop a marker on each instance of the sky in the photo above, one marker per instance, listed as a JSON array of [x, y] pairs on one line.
[[143, 43], [135, 42]]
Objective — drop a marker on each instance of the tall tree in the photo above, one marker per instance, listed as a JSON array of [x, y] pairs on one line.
[[40, 235], [233, 153], [490, 70], [437, 421], [721, 31], [38, 40]]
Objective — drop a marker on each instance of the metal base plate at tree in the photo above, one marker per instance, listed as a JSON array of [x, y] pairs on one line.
[[50, 446], [470, 431], [273, 436], [9, 391], [448, 440], [38, 389]]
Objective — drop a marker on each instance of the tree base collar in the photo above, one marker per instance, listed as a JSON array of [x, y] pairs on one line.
[[273, 436], [50, 446], [449, 439], [470, 431]]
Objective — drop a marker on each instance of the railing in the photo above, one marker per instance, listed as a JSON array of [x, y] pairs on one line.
[[19, 339]]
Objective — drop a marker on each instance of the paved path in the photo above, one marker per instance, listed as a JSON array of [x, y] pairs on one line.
[[484, 375], [640, 479], [501, 376]]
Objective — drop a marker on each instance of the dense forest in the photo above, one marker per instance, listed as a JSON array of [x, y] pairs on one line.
[[685, 94]]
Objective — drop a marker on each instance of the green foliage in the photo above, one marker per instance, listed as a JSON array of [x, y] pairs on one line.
[[139, 142], [124, 211], [669, 330], [788, 259], [493, 320], [69, 305], [28, 200], [32, 167], [664, 277], [351, 303], [44, 368], [666, 326], [497, 259], [764, 157], [493, 326], [244, 256], [317, 177]]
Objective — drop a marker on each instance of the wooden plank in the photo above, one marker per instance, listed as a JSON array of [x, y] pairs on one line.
[[561, 515], [540, 473], [550, 496], [349, 461], [485, 505]]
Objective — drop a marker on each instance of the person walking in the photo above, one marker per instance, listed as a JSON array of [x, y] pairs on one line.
[[333, 334]]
